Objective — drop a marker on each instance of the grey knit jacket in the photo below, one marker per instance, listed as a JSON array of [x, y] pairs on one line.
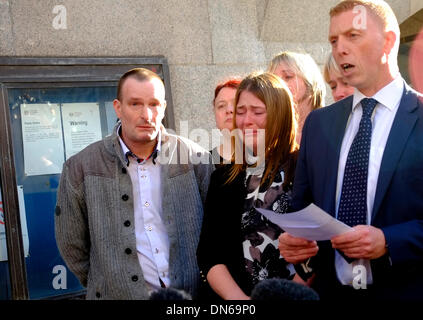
[[94, 216]]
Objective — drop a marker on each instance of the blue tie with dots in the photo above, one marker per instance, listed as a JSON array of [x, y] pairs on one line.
[[353, 204]]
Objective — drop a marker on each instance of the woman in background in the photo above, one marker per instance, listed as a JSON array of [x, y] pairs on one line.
[[223, 108], [340, 89], [304, 79], [238, 246]]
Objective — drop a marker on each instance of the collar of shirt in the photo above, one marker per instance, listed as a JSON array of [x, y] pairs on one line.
[[389, 96], [128, 152]]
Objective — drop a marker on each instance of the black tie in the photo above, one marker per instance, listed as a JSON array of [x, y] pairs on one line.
[[353, 204]]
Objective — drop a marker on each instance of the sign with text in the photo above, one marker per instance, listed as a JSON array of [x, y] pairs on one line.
[[42, 139], [81, 126]]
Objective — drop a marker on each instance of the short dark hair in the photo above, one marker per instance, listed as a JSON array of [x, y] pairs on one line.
[[141, 74]]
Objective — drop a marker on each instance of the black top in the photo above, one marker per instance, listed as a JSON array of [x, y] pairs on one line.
[[221, 239]]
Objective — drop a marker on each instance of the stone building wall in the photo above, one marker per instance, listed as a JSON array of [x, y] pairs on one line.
[[204, 41]]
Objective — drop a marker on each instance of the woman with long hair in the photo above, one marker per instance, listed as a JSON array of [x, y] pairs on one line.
[[238, 246]]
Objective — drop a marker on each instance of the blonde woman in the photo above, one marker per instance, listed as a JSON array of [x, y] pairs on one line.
[[339, 87], [304, 79], [238, 246]]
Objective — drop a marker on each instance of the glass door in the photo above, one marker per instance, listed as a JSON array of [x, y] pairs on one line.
[[50, 109], [48, 126]]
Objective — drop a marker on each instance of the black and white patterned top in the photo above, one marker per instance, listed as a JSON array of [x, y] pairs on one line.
[[260, 236]]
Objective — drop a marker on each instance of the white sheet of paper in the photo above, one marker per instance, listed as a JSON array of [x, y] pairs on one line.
[[42, 139], [311, 223], [24, 228], [81, 126]]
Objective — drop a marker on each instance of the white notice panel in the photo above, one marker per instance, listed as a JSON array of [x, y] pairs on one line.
[[42, 139], [81, 126], [24, 228]]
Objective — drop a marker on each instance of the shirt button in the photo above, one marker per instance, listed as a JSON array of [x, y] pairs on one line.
[[157, 250], [127, 223], [134, 278], [128, 251], [163, 275], [147, 204], [150, 228], [125, 197]]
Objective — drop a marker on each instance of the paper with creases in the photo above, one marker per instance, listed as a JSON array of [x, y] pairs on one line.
[[42, 139], [311, 223]]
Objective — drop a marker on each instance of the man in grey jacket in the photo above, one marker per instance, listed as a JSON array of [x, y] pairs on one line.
[[130, 207]]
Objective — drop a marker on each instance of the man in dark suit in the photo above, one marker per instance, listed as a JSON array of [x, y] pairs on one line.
[[361, 160]]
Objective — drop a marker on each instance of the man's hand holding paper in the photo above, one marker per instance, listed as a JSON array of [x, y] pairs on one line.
[[305, 227], [311, 223], [296, 250], [365, 242]]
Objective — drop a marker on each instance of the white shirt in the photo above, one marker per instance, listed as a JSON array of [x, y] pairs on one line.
[[383, 116], [151, 235]]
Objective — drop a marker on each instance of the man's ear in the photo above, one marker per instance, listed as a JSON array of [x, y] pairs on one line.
[[390, 40], [117, 107]]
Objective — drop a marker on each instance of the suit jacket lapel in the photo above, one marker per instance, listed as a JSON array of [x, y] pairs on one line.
[[336, 135], [402, 126]]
